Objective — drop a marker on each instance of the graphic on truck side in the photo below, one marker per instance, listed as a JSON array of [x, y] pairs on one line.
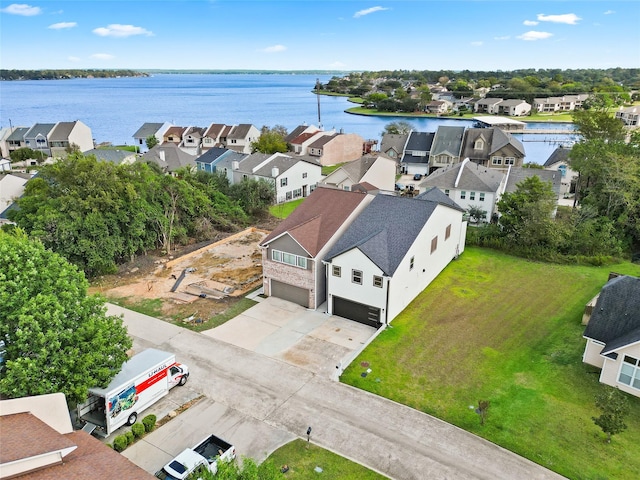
[[123, 401]]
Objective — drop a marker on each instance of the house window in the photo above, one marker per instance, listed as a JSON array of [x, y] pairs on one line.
[[509, 160], [434, 244], [245, 176], [297, 193], [304, 175], [446, 192], [377, 281], [411, 262], [288, 196], [472, 195], [478, 145], [283, 182], [482, 196], [356, 276], [337, 271], [447, 232], [289, 259], [463, 195], [630, 372], [496, 160]]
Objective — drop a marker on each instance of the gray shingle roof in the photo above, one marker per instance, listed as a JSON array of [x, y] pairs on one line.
[[615, 320], [447, 139], [474, 177], [356, 169], [502, 138], [434, 194], [174, 158], [239, 132], [393, 141], [147, 129], [385, 230], [61, 131], [518, 174], [18, 134], [39, 129], [560, 154], [113, 156], [212, 155]]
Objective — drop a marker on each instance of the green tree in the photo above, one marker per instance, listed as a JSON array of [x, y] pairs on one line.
[[254, 196], [598, 124], [26, 153], [271, 140], [477, 213], [614, 407], [57, 338], [526, 215], [151, 141], [397, 128]]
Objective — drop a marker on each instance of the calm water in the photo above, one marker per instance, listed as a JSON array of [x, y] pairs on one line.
[[115, 108]]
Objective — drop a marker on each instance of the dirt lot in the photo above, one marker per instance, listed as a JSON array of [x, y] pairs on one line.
[[196, 285]]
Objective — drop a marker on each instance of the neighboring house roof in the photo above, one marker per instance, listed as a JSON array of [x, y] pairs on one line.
[[214, 130], [147, 129], [615, 320], [212, 155], [299, 130], [317, 219], [356, 169], [393, 141], [169, 157], [40, 129], [560, 154], [109, 155], [474, 177], [18, 134], [61, 131], [512, 102], [434, 194], [518, 174], [175, 131], [385, 230], [447, 139], [501, 139], [488, 101], [239, 132], [471, 137], [322, 141], [418, 141], [303, 137]]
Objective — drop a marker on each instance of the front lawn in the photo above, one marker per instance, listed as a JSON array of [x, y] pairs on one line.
[[283, 210], [499, 328]]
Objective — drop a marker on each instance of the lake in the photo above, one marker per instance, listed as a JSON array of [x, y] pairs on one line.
[[114, 108]]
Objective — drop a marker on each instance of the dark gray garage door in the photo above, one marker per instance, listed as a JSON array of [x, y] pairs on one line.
[[290, 293], [356, 311]]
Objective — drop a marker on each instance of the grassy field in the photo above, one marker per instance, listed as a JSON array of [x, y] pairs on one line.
[[283, 210], [498, 328], [303, 458]]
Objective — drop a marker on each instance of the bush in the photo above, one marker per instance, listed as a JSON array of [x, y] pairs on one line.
[[120, 443], [149, 423], [130, 437], [137, 429]]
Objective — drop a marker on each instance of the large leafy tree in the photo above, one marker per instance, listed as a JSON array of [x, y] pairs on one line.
[[271, 140], [57, 338]]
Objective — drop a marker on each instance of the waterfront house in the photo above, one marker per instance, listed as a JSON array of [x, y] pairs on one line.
[[336, 148], [630, 116], [208, 161], [173, 135], [559, 162], [299, 130], [438, 107], [613, 334], [192, 140], [390, 253], [415, 157], [292, 253], [169, 157], [446, 147], [566, 103], [37, 138], [393, 144], [240, 137], [378, 171], [66, 135], [492, 147], [514, 108], [147, 130]]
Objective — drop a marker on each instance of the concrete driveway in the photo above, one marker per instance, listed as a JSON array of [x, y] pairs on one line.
[[259, 403], [310, 339]]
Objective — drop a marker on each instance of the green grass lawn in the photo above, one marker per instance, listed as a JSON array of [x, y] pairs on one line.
[[499, 328], [303, 458], [283, 210]]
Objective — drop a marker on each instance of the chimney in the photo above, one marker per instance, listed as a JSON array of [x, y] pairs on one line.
[[235, 165]]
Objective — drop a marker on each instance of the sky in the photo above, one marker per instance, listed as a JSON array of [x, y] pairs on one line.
[[343, 35]]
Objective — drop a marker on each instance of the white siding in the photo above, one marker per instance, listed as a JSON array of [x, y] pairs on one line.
[[295, 180]]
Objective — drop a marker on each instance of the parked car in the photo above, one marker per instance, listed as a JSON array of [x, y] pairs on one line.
[[417, 176], [399, 187]]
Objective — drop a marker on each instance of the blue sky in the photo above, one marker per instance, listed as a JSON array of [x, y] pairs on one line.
[[319, 34]]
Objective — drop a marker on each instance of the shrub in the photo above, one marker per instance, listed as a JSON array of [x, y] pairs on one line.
[[130, 437], [137, 429], [120, 443], [149, 423]]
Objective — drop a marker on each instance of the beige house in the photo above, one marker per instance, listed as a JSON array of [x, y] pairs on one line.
[[70, 134], [336, 148], [613, 334], [630, 116], [377, 170]]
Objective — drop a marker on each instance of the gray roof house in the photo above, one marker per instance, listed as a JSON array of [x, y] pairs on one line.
[[396, 244], [613, 334], [149, 129], [559, 161], [169, 157], [492, 147], [210, 159], [516, 175], [113, 156], [15, 140], [415, 158], [240, 137], [379, 171], [37, 137], [392, 144], [70, 134], [446, 147]]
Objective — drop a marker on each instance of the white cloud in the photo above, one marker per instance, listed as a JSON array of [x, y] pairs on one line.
[[530, 23], [506, 37], [102, 56], [609, 12], [274, 49], [121, 31], [62, 25], [568, 18], [367, 11], [73, 59], [22, 9], [533, 35], [476, 44]]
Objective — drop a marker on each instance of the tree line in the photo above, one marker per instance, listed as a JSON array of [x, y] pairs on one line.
[[66, 74], [98, 214]]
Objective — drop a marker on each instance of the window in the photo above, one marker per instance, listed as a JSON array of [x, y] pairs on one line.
[[304, 175], [482, 196], [288, 196], [478, 145], [377, 281], [472, 195], [463, 195], [337, 271], [245, 176], [434, 244], [509, 160], [630, 372], [447, 232], [496, 160], [411, 262], [446, 192], [356, 276], [297, 193], [283, 182], [289, 259], [563, 170]]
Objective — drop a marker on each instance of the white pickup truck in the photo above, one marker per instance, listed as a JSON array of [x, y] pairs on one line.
[[205, 454]]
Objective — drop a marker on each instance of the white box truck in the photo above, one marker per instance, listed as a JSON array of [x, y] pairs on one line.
[[143, 380]]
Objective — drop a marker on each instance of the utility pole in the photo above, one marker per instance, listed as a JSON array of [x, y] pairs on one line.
[[318, 96]]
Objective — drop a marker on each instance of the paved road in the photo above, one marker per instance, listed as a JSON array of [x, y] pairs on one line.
[[259, 403]]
